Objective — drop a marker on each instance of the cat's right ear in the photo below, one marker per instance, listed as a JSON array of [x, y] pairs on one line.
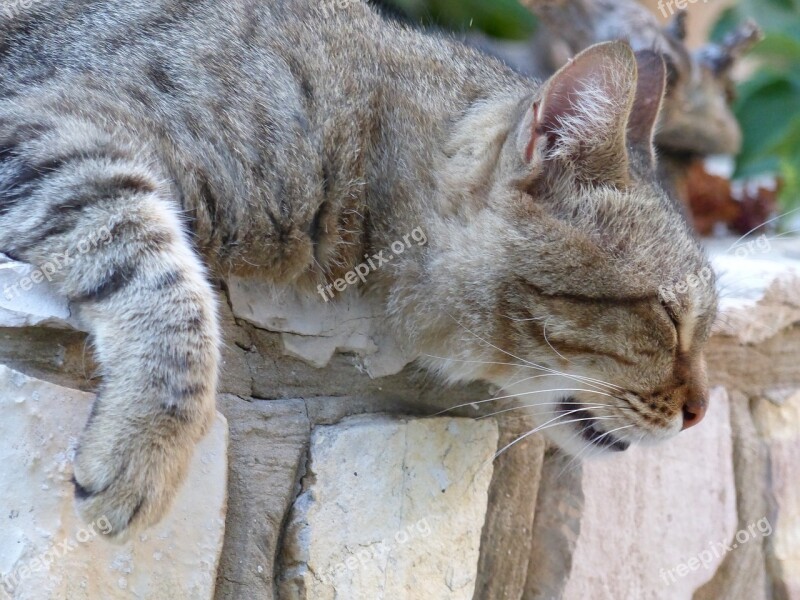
[[581, 114]]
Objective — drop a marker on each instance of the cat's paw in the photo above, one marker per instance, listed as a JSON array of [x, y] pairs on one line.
[[126, 474]]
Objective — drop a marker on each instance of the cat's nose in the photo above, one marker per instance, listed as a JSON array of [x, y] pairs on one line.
[[694, 409]]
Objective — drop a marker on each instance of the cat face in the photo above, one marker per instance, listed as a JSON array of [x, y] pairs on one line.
[[620, 303], [606, 299]]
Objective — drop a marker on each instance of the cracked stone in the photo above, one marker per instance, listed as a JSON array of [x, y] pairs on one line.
[[390, 509], [314, 330]]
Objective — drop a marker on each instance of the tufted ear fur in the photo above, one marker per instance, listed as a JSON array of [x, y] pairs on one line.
[[581, 116], [650, 86]]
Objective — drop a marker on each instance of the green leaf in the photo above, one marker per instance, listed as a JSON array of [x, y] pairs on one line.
[[765, 108], [779, 47], [499, 18], [790, 183], [789, 143], [773, 15], [729, 19]]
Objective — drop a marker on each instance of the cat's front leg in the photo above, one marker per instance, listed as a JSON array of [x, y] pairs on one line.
[[100, 223]]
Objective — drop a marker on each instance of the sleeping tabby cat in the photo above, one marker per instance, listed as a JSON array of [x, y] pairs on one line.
[[287, 138]]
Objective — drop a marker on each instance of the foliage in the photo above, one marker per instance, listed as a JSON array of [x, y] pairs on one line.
[[768, 102], [498, 18]]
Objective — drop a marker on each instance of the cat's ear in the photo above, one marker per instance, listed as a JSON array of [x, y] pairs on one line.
[[582, 113], [650, 86]]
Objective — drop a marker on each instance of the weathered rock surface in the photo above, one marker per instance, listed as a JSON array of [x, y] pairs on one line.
[[743, 572], [268, 446], [754, 354], [46, 553], [28, 300], [760, 292], [556, 528], [508, 533], [779, 426], [390, 509], [314, 330], [622, 526]]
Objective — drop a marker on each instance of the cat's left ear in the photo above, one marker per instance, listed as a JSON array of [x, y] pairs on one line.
[[580, 117], [650, 86]]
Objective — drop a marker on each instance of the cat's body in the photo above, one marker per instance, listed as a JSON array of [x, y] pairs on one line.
[[275, 107], [289, 139]]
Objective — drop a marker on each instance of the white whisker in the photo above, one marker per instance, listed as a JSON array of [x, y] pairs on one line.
[[519, 395], [522, 320], [530, 365], [544, 333], [736, 243], [785, 233], [545, 425], [508, 385], [521, 406], [550, 426]]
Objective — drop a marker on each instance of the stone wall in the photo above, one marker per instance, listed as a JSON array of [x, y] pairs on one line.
[[330, 474]]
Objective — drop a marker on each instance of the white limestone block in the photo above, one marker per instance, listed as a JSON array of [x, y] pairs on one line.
[[391, 509], [313, 330], [47, 553], [759, 286], [29, 300], [655, 518]]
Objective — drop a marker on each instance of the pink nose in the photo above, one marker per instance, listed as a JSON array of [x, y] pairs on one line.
[[693, 411]]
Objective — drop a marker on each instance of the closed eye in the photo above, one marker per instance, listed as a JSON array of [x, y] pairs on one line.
[[672, 314]]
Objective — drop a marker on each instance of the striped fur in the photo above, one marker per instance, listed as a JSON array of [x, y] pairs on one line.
[[287, 140]]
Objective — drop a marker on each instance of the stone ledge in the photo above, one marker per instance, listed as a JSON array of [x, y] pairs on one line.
[[759, 292]]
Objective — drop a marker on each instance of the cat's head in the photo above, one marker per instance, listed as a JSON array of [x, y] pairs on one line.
[[599, 300]]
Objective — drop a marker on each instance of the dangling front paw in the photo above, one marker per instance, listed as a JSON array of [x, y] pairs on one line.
[[128, 473]]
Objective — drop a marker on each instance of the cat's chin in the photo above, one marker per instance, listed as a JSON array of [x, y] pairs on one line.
[[588, 442], [583, 435], [599, 439], [576, 426]]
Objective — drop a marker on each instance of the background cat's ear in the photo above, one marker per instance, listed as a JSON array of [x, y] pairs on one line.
[[652, 81], [581, 115]]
